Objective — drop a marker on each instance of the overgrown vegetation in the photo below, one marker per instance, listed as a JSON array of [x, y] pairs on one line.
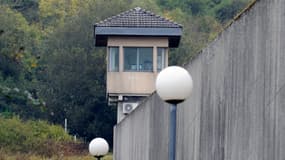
[[34, 137], [50, 69]]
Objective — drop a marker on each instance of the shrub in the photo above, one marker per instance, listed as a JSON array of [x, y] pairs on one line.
[[38, 137], [20, 102]]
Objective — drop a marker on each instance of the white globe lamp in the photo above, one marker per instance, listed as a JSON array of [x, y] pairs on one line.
[[173, 84], [98, 148]]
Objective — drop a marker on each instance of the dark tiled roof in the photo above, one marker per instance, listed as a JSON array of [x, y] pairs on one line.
[[138, 18]]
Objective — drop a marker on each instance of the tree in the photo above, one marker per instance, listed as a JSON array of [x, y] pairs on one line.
[[73, 78], [17, 64], [18, 40], [28, 8], [228, 11]]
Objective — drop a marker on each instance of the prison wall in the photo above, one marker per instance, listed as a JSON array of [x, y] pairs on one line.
[[237, 109]]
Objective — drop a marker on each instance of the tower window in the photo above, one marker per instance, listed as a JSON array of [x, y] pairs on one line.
[[113, 59], [161, 58], [138, 59]]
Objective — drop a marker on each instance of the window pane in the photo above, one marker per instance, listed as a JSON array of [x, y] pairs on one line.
[[145, 59], [161, 55], [138, 59], [130, 59], [114, 59]]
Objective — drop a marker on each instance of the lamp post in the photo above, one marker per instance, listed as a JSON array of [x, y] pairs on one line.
[[98, 148], [173, 84]]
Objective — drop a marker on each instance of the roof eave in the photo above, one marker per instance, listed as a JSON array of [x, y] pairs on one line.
[[101, 34]]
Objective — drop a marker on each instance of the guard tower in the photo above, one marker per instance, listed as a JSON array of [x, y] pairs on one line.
[[138, 43]]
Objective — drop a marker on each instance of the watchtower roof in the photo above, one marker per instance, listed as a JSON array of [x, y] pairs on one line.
[[137, 22], [138, 17]]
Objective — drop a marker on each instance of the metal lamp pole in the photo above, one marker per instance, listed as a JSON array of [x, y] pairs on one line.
[[172, 132], [98, 157]]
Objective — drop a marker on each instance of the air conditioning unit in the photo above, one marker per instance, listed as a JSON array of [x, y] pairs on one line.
[[129, 107]]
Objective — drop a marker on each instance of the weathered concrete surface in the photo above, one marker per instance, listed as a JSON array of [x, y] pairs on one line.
[[237, 110]]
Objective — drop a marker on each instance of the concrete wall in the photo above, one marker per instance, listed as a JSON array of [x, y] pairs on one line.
[[237, 110]]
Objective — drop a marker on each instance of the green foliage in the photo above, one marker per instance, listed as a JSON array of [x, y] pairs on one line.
[[73, 81], [30, 136], [28, 8], [228, 11], [14, 30], [9, 68], [149, 4], [18, 45], [200, 30], [22, 103], [53, 12]]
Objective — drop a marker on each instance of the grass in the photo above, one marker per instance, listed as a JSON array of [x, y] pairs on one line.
[[34, 157]]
